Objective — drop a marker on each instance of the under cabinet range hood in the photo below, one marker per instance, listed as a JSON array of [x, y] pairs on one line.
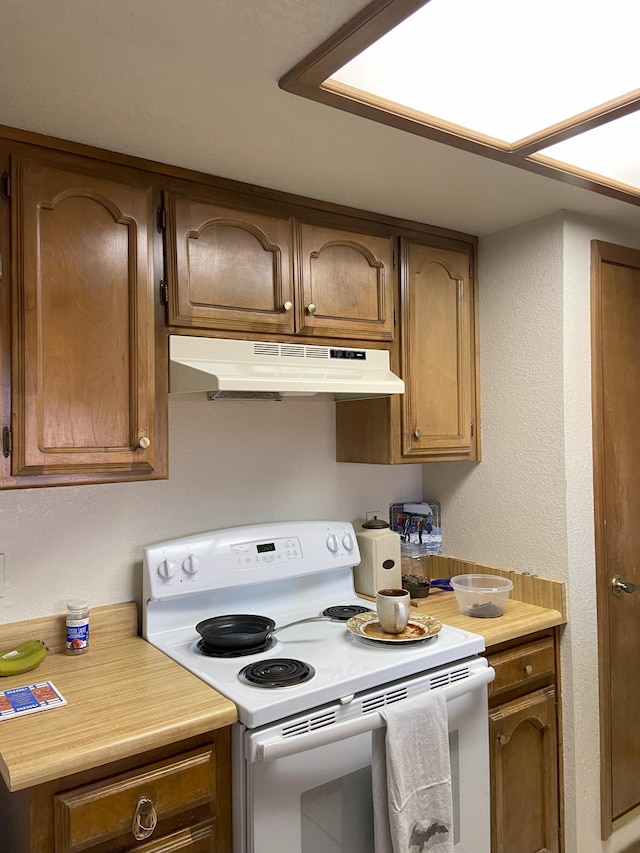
[[263, 369]]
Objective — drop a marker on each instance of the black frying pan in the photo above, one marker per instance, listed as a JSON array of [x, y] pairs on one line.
[[241, 631]]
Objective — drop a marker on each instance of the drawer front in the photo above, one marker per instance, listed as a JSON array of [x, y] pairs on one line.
[[519, 666], [97, 812], [194, 839]]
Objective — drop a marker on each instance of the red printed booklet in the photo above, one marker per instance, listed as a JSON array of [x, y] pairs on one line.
[[18, 701]]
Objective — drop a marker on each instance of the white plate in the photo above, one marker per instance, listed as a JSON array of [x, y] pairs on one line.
[[367, 625]]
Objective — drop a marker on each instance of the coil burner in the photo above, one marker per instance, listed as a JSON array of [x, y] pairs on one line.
[[345, 611], [276, 672]]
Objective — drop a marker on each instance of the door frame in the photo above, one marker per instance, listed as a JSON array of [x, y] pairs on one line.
[[601, 253]]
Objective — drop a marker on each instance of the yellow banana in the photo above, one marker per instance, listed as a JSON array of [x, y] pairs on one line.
[[23, 658]]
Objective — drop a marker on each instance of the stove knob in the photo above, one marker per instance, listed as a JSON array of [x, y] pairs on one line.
[[191, 564], [347, 541], [332, 543], [167, 569]]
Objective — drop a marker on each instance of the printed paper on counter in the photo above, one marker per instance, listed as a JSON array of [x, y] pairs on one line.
[[18, 701]]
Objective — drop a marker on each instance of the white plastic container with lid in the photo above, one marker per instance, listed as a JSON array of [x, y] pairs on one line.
[[77, 633]]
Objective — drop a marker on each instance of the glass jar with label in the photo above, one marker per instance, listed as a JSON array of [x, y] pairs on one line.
[[77, 637]]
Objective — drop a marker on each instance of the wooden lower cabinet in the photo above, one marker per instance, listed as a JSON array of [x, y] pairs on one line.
[[524, 754], [177, 799], [524, 770]]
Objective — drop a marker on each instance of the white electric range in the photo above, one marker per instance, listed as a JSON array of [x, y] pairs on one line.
[[290, 571]]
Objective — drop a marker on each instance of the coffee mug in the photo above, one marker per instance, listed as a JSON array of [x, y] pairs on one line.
[[393, 606]]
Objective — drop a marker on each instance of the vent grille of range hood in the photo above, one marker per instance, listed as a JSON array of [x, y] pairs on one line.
[[290, 350]]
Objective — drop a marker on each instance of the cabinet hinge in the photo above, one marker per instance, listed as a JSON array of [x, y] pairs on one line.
[[162, 219], [394, 258], [5, 186], [164, 298], [7, 443]]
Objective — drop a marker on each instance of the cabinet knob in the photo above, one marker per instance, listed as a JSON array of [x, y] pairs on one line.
[[145, 819], [144, 442], [311, 308], [417, 433], [528, 669], [502, 739], [288, 305]]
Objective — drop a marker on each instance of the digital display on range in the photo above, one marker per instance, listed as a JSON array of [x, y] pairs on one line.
[[268, 546]]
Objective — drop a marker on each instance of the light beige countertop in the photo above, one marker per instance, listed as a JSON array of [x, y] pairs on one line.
[[518, 619], [534, 604], [124, 698]]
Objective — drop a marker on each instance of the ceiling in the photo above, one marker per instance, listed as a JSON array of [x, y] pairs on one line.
[[194, 83]]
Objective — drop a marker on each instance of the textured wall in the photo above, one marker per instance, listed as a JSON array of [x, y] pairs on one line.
[[510, 508], [230, 463]]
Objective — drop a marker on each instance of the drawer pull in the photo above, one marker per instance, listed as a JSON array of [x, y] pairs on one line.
[[145, 819], [528, 669]]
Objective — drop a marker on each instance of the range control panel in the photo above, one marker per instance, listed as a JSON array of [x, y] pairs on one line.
[[256, 553]]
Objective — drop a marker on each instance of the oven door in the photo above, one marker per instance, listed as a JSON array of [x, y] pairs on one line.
[[311, 792]]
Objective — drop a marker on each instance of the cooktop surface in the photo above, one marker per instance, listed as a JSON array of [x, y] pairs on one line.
[[308, 569]]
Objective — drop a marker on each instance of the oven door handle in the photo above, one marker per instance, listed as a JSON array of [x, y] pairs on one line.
[[275, 748]]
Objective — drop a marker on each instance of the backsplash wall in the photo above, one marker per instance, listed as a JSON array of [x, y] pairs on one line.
[[230, 463]]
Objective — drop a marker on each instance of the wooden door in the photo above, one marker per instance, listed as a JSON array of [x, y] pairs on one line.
[[524, 773], [83, 371], [438, 351], [616, 417], [346, 284], [228, 269]]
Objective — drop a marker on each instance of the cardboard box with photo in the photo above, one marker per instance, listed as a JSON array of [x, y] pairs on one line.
[[419, 526]]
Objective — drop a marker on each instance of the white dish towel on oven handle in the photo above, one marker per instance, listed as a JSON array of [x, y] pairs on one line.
[[411, 774]]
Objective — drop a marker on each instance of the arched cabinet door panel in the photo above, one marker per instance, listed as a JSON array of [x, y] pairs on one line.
[[83, 360], [524, 772], [346, 283], [227, 269], [438, 351]]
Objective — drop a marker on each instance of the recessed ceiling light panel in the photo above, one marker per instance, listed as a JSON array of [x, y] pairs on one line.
[[503, 69]]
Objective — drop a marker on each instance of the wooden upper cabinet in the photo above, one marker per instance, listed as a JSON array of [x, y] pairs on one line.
[[346, 284], [238, 271], [83, 367], [227, 269], [436, 419], [438, 351]]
